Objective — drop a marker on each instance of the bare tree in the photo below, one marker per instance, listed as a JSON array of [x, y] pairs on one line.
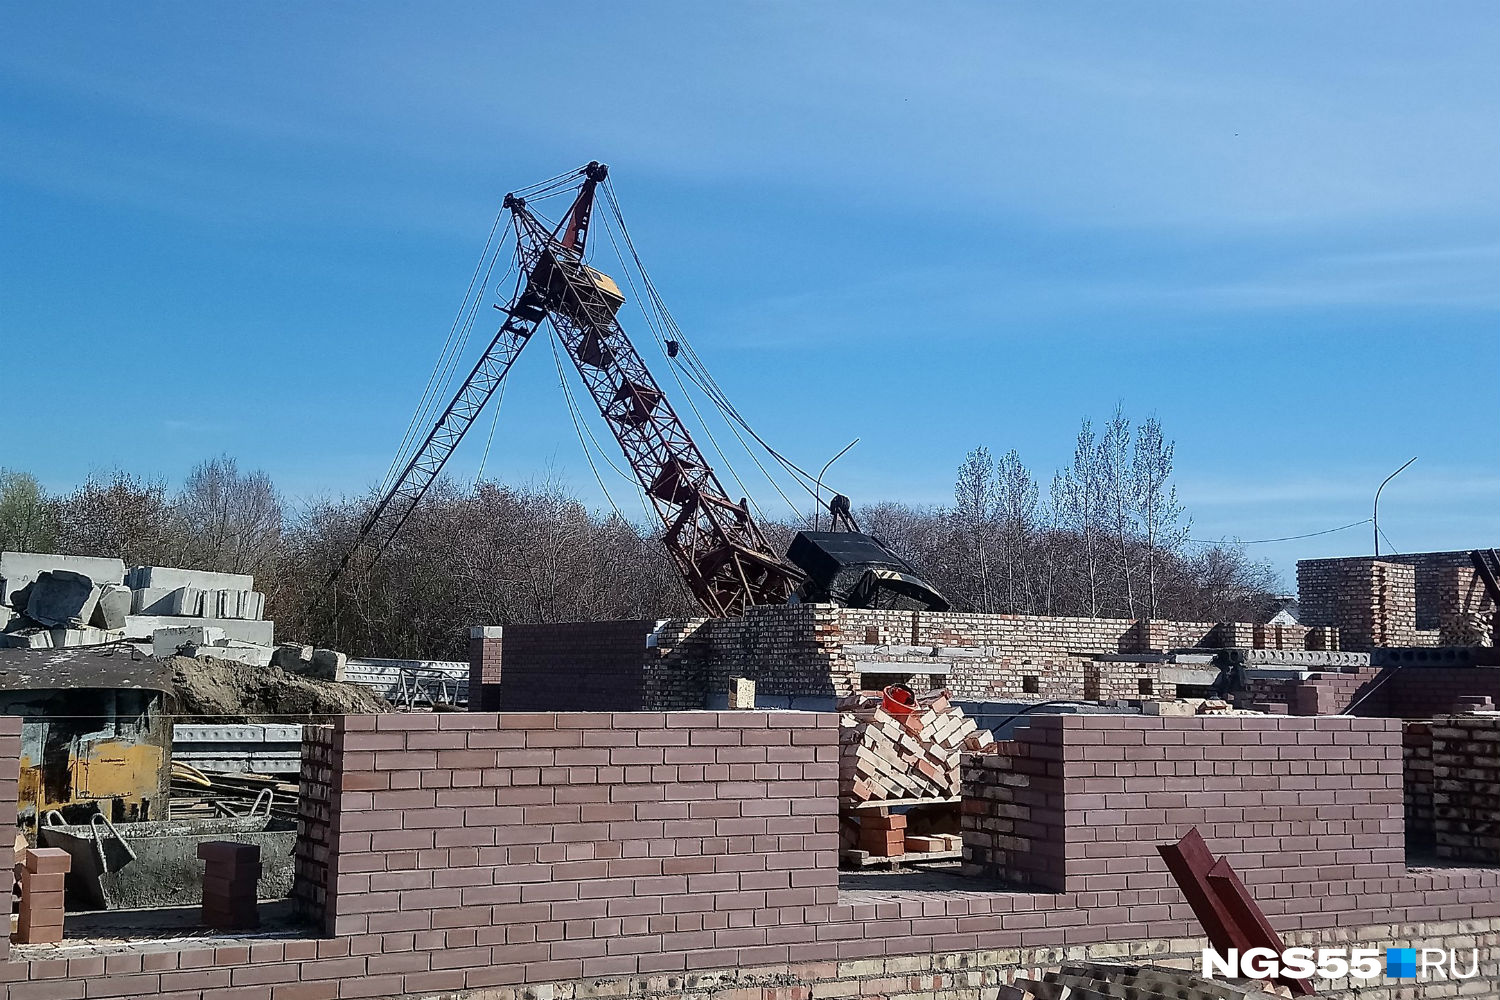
[[1156, 508], [1077, 496], [975, 504], [1118, 495], [232, 520], [1016, 505], [121, 516]]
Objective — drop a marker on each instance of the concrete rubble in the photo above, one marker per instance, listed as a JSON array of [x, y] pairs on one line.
[[63, 601]]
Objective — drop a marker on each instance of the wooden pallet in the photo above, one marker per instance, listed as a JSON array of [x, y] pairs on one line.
[[864, 859], [848, 805]]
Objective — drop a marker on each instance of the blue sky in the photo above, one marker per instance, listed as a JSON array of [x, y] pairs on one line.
[[244, 228]]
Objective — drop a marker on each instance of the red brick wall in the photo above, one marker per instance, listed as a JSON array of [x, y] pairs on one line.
[[1466, 788], [10, 769], [1013, 822], [472, 851], [1416, 748], [314, 851], [1282, 797], [574, 667], [1413, 692], [484, 667]]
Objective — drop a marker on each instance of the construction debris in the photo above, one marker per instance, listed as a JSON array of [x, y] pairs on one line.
[[890, 750], [57, 601], [216, 690]]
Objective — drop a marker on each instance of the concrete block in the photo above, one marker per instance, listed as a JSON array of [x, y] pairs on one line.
[[62, 597], [168, 577], [1193, 676], [181, 601], [242, 604], [293, 657], [741, 692], [329, 664], [113, 607], [144, 627], [1169, 708], [169, 641], [17, 569], [58, 638], [236, 652]]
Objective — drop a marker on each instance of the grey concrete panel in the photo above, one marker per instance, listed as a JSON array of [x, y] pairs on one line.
[[17, 569], [170, 577]]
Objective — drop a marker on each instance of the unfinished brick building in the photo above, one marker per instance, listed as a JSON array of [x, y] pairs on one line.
[[574, 855], [1367, 624]]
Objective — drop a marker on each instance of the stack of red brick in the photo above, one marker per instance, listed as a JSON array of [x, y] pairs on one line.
[[42, 876], [231, 874], [882, 835], [889, 751]]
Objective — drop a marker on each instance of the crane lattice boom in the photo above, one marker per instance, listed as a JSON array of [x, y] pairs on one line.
[[718, 548]]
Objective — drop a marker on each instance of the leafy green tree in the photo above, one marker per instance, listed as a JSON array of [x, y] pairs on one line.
[[26, 522]]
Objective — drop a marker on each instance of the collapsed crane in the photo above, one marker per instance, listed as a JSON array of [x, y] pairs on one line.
[[716, 545]]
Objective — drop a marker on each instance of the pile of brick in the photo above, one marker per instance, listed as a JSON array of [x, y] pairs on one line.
[[885, 753], [885, 835]]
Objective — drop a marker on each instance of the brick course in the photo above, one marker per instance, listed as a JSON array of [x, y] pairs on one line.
[[1397, 600], [483, 854], [822, 652], [1466, 788]]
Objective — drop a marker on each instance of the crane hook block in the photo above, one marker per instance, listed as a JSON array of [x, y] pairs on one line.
[[672, 348]]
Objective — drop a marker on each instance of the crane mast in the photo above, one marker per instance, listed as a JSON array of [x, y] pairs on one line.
[[718, 548]]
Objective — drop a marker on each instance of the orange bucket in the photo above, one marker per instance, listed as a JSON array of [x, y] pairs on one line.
[[898, 701]]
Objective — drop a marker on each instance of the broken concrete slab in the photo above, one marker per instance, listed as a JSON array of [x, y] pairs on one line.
[[262, 633], [170, 577], [169, 641], [17, 569], [62, 598], [113, 606]]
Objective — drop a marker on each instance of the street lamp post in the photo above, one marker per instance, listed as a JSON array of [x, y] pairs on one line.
[[1375, 514]]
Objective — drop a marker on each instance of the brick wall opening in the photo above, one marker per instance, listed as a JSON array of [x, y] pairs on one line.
[[476, 852]]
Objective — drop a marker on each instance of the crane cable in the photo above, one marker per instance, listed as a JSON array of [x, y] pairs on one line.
[[432, 386], [696, 370], [578, 425], [462, 326], [651, 324]]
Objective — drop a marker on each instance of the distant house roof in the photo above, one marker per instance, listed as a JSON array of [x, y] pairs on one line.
[[115, 667], [1290, 613]]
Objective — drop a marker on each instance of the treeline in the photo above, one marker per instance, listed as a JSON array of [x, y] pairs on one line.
[[1106, 538]]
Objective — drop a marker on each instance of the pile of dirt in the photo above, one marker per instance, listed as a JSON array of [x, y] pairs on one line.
[[223, 691]]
